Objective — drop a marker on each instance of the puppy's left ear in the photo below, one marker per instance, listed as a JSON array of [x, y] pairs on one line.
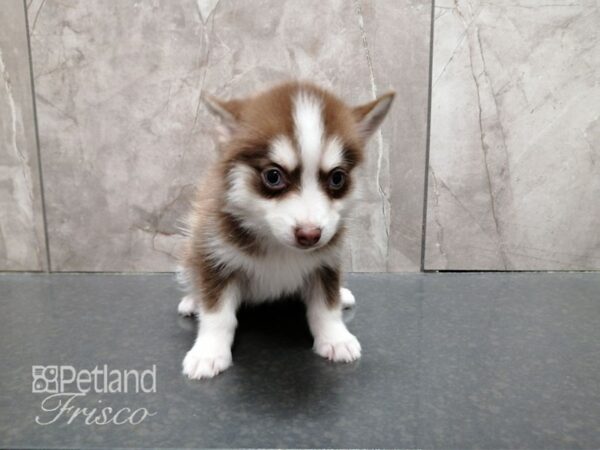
[[370, 115], [229, 111]]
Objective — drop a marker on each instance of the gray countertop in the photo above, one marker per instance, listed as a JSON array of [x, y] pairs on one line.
[[493, 360]]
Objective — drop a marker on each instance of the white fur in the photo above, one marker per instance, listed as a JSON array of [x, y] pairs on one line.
[[281, 271], [309, 129], [187, 306], [241, 201], [332, 156], [347, 298], [284, 268], [283, 153], [332, 339], [309, 207], [211, 353]]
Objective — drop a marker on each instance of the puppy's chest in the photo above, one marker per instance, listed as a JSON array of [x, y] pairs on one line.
[[270, 278]]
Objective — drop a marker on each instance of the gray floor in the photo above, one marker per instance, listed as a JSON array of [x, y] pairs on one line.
[[450, 361]]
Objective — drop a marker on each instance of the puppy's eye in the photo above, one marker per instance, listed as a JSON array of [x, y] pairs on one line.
[[273, 178], [337, 179]]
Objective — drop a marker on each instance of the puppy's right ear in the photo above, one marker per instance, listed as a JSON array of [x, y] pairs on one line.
[[229, 111]]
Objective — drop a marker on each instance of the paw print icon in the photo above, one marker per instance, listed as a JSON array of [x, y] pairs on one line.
[[45, 379]]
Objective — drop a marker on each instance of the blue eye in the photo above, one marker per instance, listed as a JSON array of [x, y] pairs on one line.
[[337, 179], [273, 178]]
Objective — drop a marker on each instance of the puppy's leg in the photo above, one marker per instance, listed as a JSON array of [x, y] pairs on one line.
[[188, 306], [324, 311], [347, 298], [211, 353]]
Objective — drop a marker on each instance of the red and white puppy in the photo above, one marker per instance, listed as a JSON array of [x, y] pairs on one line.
[[270, 217]]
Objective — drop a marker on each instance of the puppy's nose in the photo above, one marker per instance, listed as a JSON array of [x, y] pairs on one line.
[[307, 236]]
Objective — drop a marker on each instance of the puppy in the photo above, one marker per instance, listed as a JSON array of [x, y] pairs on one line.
[[270, 217]]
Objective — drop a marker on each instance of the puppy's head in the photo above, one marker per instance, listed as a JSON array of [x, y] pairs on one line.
[[288, 161]]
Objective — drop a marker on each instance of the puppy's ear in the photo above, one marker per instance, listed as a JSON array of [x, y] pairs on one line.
[[370, 115], [228, 111]]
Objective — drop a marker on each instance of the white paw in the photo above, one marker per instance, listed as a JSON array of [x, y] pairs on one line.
[[201, 362], [344, 348], [347, 298], [187, 306]]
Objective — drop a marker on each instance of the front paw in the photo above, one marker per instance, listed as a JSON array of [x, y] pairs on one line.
[[344, 348], [187, 306], [347, 298], [201, 362]]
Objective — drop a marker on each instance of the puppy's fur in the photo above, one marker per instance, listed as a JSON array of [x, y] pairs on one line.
[[269, 219]]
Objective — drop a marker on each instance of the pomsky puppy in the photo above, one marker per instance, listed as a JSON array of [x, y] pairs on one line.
[[270, 216]]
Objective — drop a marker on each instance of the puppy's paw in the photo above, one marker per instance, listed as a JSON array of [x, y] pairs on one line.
[[205, 363], [343, 348], [347, 298], [187, 306]]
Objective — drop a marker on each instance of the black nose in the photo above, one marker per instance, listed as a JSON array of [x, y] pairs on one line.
[[307, 236]]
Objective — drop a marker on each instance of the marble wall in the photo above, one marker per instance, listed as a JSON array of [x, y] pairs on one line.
[[513, 178], [514, 167], [125, 137], [22, 240]]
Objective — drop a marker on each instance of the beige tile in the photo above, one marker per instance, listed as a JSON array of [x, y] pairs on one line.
[[125, 138], [514, 176], [22, 242], [117, 88], [397, 36]]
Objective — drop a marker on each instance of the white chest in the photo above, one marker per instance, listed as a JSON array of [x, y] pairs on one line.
[[278, 273], [273, 275], [270, 278]]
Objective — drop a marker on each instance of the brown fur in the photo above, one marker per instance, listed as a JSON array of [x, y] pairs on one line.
[[233, 231], [329, 279], [269, 114], [210, 278], [262, 118], [204, 274]]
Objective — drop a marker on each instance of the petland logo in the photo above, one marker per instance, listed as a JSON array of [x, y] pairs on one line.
[[67, 389]]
